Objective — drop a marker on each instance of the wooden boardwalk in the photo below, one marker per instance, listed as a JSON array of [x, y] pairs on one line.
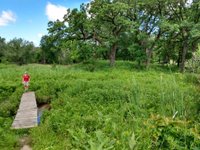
[[26, 116]]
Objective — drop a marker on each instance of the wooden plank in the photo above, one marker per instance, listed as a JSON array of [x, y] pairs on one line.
[[31, 119], [26, 116], [27, 107], [26, 111], [24, 123]]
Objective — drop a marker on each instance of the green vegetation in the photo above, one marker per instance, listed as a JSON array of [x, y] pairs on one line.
[[145, 31], [141, 103], [95, 107]]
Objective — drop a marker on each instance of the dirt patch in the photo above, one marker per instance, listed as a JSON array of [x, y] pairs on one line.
[[25, 143], [26, 147]]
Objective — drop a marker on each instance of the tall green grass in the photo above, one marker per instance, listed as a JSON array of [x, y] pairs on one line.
[[94, 107]]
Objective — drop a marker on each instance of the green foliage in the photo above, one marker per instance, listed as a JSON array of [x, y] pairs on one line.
[[145, 31], [2, 49], [127, 30], [193, 65], [17, 51], [109, 108], [105, 110], [138, 53], [166, 133], [8, 137]]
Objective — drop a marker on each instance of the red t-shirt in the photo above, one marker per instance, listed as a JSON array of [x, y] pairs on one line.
[[26, 77]]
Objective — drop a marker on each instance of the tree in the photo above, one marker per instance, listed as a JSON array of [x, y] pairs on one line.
[[51, 44], [80, 33], [3, 47], [19, 51], [134, 29], [109, 19], [181, 23]]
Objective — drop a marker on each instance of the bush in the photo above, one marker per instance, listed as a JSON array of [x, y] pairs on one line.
[[166, 133]]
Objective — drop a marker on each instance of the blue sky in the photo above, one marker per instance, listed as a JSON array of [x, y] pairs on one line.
[[28, 19]]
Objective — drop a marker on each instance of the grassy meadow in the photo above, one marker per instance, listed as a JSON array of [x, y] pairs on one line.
[[95, 107]]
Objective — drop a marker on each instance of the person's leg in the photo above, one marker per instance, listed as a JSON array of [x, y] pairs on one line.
[[25, 86]]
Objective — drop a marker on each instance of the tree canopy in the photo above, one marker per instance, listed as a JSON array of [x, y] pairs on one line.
[[140, 30], [17, 51], [144, 31]]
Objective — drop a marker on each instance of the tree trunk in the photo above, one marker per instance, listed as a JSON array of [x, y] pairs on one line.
[[148, 57], [179, 59], [44, 59], [183, 57], [112, 54]]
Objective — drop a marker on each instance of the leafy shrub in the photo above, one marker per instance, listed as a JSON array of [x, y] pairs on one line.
[[166, 133], [193, 65]]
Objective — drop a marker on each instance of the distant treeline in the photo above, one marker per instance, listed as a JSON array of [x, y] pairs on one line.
[[144, 31], [18, 51]]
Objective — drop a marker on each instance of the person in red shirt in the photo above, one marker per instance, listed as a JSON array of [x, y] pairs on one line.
[[25, 80]]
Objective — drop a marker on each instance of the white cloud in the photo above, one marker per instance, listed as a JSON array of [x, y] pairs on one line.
[[7, 17], [55, 12], [40, 35]]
